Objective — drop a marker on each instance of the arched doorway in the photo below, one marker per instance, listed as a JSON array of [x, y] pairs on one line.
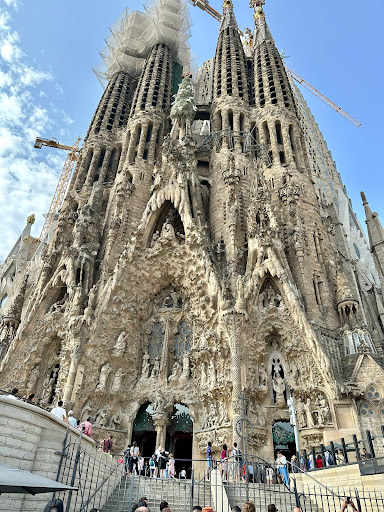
[[283, 439], [144, 432], [179, 437]]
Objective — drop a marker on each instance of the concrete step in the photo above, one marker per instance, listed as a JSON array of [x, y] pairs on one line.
[[176, 492]]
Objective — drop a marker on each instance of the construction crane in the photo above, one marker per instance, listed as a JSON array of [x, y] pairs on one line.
[[65, 176], [204, 6], [317, 93]]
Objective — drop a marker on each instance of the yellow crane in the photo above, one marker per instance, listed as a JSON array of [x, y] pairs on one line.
[[65, 176], [204, 6]]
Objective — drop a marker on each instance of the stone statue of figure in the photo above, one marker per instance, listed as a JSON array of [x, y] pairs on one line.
[[203, 374], [145, 367], [117, 379], [120, 345], [223, 415], [308, 413], [115, 421], [33, 377], [212, 414], [47, 389], [156, 368], [263, 376], [101, 417], [104, 374], [186, 363], [176, 369], [158, 404], [278, 384], [323, 410], [85, 411], [300, 414], [212, 374]]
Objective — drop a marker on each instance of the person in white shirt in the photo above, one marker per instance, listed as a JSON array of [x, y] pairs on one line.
[[60, 412], [281, 465]]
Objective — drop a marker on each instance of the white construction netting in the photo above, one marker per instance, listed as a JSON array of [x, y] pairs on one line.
[[136, 32]]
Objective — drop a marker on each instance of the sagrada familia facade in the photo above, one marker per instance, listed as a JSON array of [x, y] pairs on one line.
[[206, 251]]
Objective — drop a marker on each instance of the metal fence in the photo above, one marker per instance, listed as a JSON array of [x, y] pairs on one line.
[[95, 473]]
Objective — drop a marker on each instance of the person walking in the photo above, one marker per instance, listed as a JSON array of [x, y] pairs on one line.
[[135, 452], [72, 420], [60, 412], [224, 462], [171, 466], [107, 444], [86, 427], [237, 462], [209, 454], [281, 465], [163, 459]]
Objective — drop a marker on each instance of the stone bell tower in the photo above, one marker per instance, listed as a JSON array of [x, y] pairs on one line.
[[194, 263]]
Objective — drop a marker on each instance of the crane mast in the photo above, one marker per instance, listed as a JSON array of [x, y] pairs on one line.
[[65, 176]]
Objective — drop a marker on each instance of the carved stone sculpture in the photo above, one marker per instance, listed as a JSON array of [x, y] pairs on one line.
[[101, 417], [117, 380], [278, 385], [103, 377], [308, 413], [263, 376], [145, 369], [120, 345]]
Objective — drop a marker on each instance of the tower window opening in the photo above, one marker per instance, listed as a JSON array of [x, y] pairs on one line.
[[282, 157], [138, 134], [230, 120], [149, 132], [279, 134], [267, 136], [241, 122], [101, 158]]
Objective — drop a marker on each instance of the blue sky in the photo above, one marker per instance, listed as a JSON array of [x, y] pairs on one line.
[[47, 87]]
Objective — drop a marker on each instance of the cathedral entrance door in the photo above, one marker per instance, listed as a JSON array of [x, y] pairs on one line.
[[179, 438], [283, 439], [144, 432]]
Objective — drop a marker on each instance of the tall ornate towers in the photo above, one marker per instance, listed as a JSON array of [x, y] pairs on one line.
[[194, 259], [230, 120]]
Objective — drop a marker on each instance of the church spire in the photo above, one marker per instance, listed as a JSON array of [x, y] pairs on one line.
[[262, 32], [376, 237]]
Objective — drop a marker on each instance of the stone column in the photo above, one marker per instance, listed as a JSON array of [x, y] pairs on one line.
[[232, 321], [68, 388], [93, 166], [163, 375], [104, 167], [160, 420]]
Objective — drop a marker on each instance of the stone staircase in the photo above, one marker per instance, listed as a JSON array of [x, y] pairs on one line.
[[176, 492]]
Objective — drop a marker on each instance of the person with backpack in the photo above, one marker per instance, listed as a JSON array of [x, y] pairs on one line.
[[237, 462], [107, 444]]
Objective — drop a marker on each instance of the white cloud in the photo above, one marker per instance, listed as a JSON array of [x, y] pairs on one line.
[[9, 50], [28, 177], [32, 77], [12, 3]]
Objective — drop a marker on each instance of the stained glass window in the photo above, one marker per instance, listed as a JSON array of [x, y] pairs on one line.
[[183, 339], [156, 341]]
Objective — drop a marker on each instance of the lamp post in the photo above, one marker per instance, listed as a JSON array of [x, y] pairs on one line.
[[293, 421]]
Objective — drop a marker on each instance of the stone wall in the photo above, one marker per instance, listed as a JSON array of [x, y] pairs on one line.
[[32, 439], [341, 477]]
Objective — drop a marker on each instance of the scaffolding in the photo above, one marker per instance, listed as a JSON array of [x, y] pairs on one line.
[[135, 33]]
